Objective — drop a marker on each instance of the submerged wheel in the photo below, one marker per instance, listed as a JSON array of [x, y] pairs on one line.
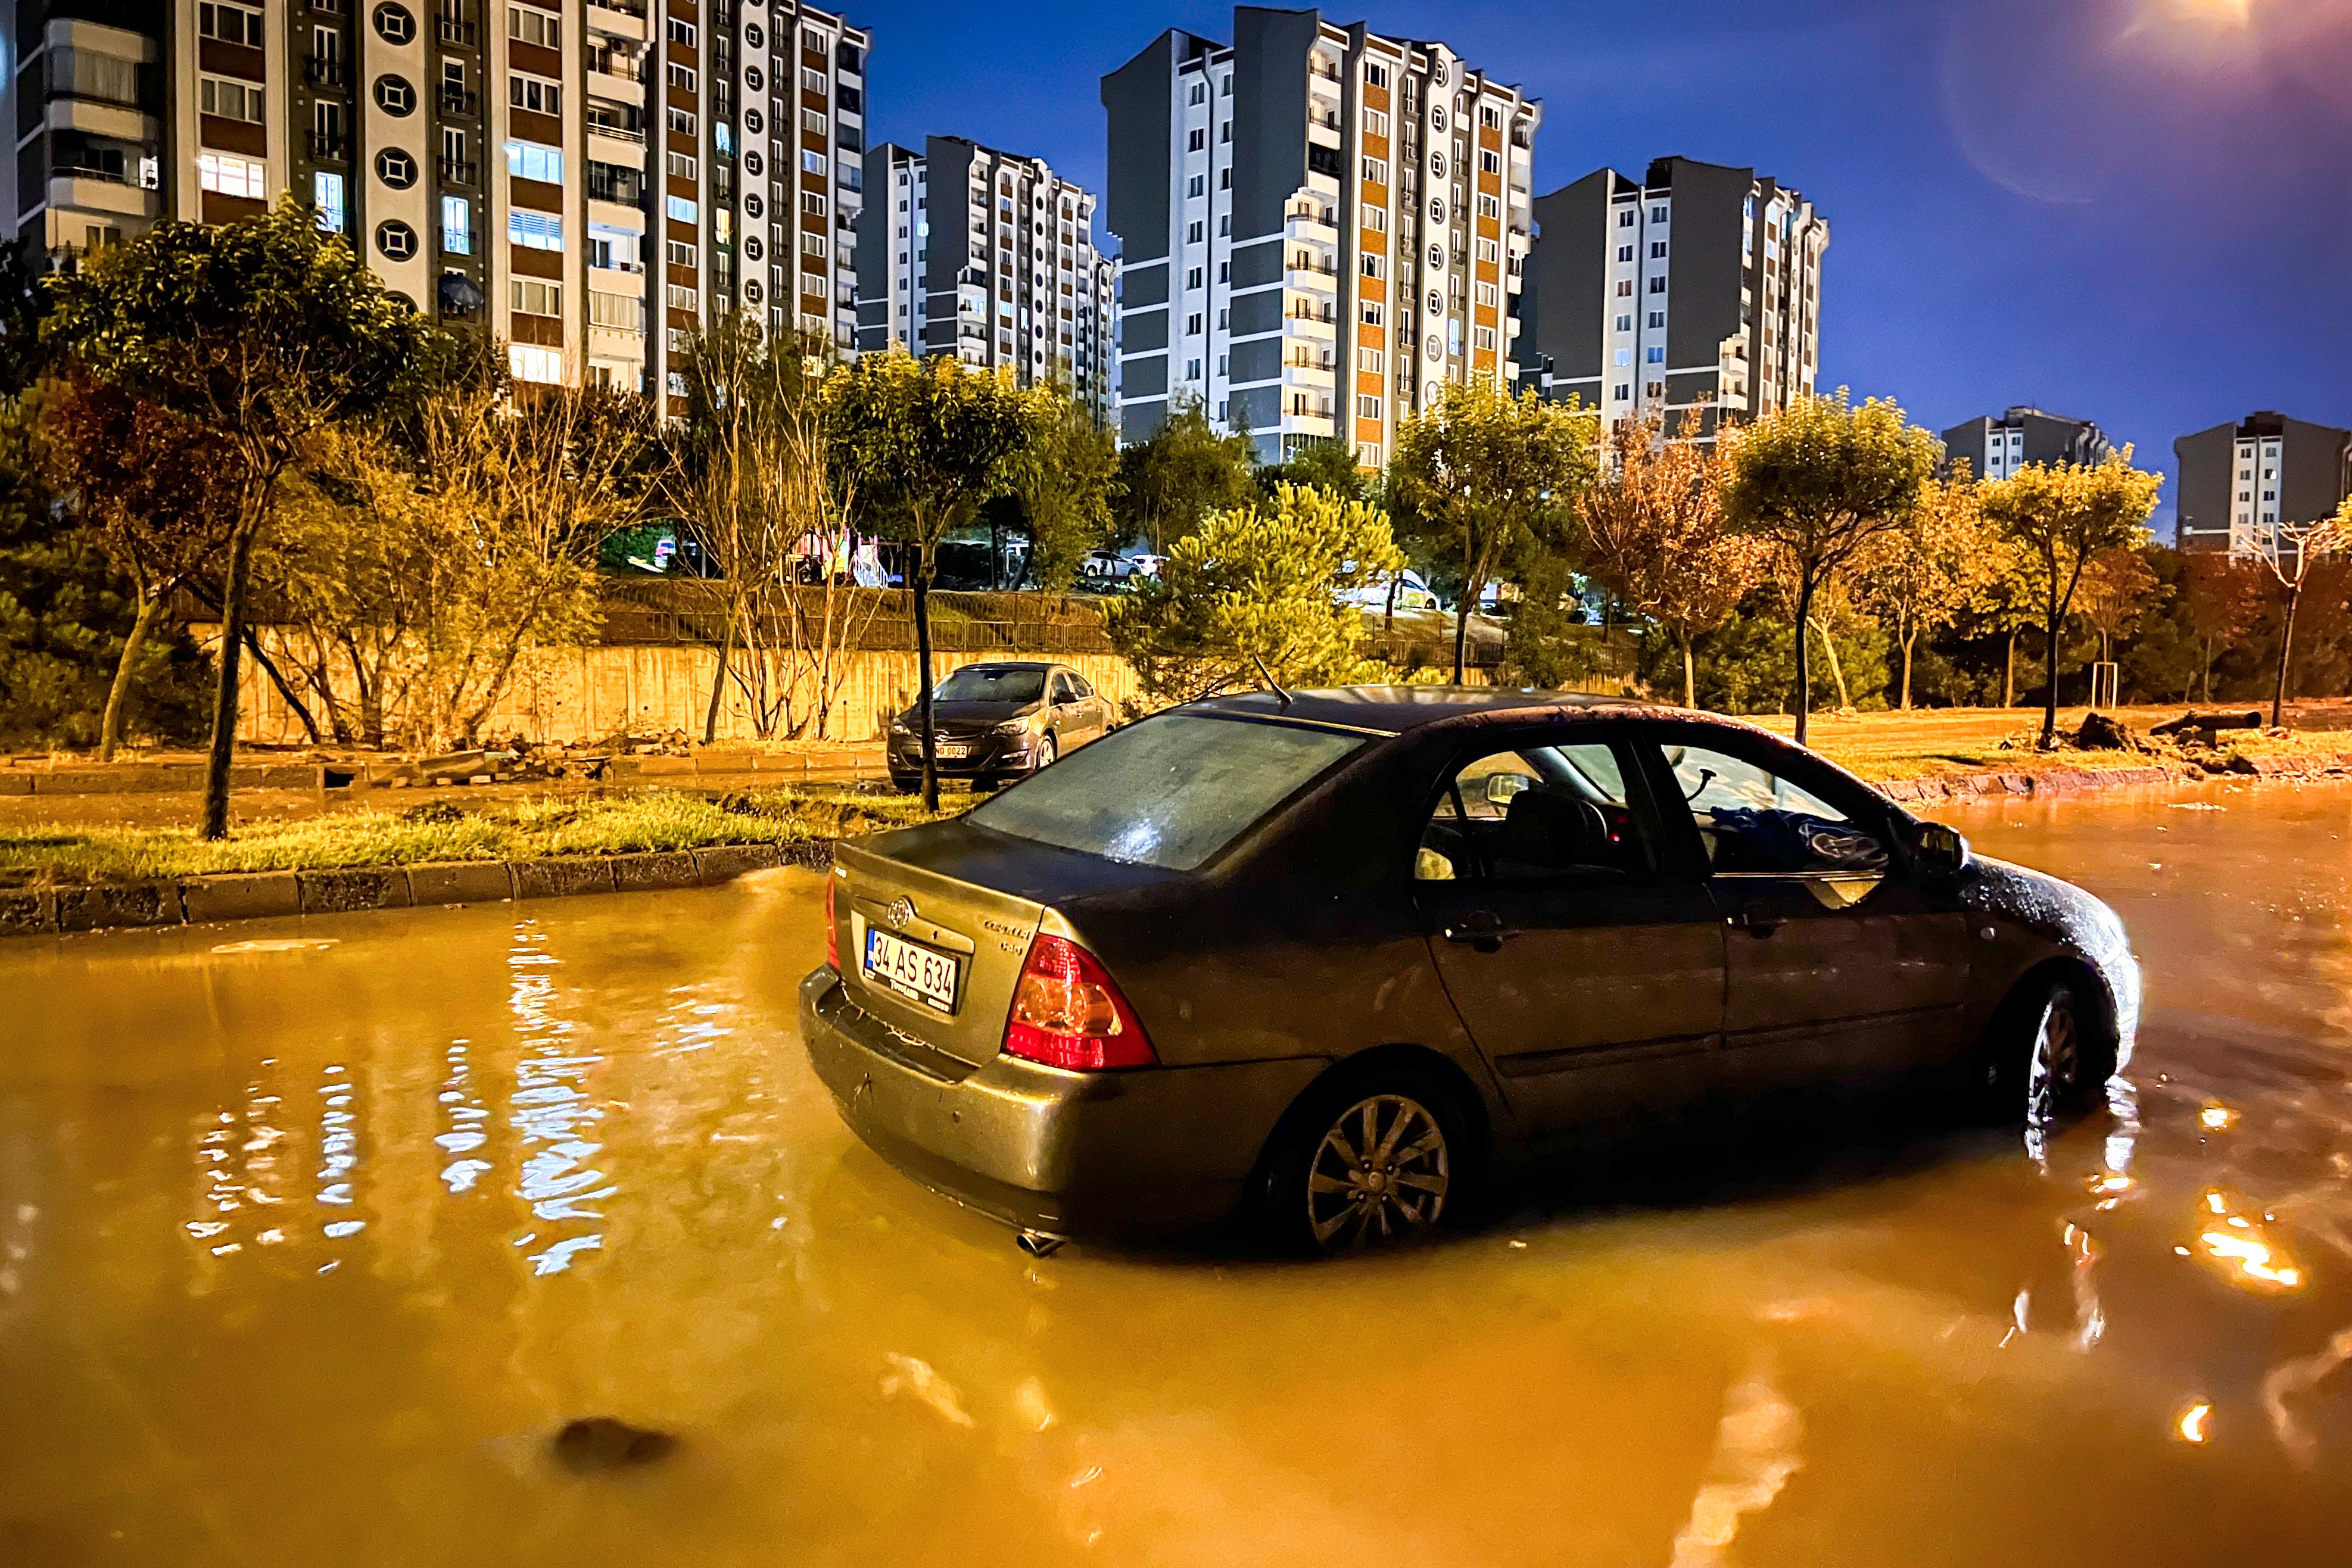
[[2043, 1060], [1372, 1165]]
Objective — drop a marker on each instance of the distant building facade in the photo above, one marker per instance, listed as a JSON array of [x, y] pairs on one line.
[[1996, 448], [1693, 294], [590, 179], [988, 256], [1319, 227], [2240, 482]]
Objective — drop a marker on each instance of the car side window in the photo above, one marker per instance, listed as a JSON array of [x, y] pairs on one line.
[[1531, 812], [1062, 693], [1754, 823], [1078, 688]]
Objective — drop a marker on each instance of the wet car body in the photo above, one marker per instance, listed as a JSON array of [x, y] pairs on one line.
[[1318, 947], [994, 740]]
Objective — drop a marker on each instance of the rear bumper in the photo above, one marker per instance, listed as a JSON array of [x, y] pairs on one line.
[[1154, 1150]]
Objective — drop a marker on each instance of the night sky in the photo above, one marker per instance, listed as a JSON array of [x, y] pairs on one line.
[[2133, 210]]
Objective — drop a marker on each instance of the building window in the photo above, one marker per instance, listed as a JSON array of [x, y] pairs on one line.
[[395, 239], [813, 245], [327, 195], [1371, 360], [1367, 406], [232, 176], [1657, 250], [813, 162], [1192, 232], [1192, 277], [230, 100], [616, 312], [529, 362], [1625, 218], [394, 25], [532, 296], [1657, 320], [1192, 325], [1376, 171], [681, 120], [532, 25], [1625, 391], [1375, 122], [812, 121], [536, 94], [682, 33], [1370, 313], [534, 231], [812, 204], [1375, 265], [229, 23], [1198, 185], [683, 210], [1200, 94], [1656, 357], [457, 225], [530, 161], [1658, 284], [1197, 140], [395, 97], [1376, 76]]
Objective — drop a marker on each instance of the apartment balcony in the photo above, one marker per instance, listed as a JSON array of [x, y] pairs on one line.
[[97, 191], [1320, 374], [618, 131], [1319, 325], [320, 71], [459, 32], [460, 172], [1302, 272], [1311, 420], [461, 100], [636, 8], [1318, 224], [330, 146], [621, 87]]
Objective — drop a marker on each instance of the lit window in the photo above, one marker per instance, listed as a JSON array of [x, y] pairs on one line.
[[457, 225], [232, 176], [530, 161], [534, 231], [529, 362], [683, 209], [327, 195]]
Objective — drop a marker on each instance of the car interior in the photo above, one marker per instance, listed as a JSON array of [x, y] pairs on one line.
[[1754, 823], [1540, 811]]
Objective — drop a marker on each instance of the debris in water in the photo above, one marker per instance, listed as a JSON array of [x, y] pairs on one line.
[[601, 1443], [916, 1377]]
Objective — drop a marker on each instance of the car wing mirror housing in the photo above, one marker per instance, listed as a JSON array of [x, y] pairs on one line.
[[1937, 850]]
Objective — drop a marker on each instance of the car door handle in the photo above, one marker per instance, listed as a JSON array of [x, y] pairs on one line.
[[1755, 920], [1482, 928]]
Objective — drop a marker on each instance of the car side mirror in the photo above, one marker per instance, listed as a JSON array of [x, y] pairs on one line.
[[1939, 850], [1501, 787]]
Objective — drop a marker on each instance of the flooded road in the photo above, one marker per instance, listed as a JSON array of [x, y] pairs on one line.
[[312, 1235]]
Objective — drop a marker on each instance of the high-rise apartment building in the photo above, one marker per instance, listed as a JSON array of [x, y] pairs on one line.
[[89, 121], [1998, 446], [566, 174], [1319, 226], [756, 123], [1692, 293], [2241, 482], [988, 256]]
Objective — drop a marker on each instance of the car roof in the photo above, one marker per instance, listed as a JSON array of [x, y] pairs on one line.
[[1397, 710], [1008, 665]]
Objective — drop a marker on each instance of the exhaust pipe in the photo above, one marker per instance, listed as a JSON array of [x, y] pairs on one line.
[[1038, 1244]]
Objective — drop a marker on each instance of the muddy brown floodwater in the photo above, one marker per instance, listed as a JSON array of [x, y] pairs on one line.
[[317, 1234]]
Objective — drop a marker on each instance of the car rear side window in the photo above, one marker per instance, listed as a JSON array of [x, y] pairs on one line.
[[1171, 791]]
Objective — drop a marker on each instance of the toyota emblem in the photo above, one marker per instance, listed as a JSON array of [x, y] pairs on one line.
[[902, 912]]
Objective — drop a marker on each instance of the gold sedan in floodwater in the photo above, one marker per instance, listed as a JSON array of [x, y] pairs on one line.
[[1325, 955]]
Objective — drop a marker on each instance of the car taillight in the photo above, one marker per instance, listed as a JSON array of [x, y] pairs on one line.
[[1066, 1012], [831, 933]]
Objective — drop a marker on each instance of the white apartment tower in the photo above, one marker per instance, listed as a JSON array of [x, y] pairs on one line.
[[988, 256], [1693, 294], [1319, 227]]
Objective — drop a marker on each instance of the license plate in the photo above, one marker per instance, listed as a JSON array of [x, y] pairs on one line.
[[910, 969], [952, 753]]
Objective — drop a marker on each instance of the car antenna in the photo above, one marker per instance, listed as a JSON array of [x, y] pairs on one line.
[[1268, 676]]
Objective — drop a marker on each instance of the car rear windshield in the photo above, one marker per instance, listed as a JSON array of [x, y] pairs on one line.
[[986, 684], [1171, 791]]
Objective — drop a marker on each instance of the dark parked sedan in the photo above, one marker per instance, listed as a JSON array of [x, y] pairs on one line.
[[1324, 955], [995, 722]]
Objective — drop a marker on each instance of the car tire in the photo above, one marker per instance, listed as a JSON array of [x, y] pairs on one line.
[[905, 785], [1318, 1197], [2044, 1060], [1048, 752]]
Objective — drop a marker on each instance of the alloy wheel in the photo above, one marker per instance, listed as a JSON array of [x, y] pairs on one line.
[[1381, 1173], [2051, 1076], [1047, 751]]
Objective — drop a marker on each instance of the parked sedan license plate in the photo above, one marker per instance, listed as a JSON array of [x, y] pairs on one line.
[[910, 969], [952, 753]]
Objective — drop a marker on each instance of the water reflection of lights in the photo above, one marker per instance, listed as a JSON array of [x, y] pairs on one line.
[[2193, 1423], [466, 1117], [552, 1113], [2216, 1118], [2238, 1243]]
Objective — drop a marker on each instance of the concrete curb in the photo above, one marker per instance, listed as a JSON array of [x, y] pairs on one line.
[[253, 895], [2079, 781]]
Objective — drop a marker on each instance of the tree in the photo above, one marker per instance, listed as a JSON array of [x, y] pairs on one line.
[[1264, 581], [2117, 589], [2060, 517], [2220, 595], [1490, 475], [2311, 543], [1922, 574], [1656, 538], [1326, 464], [1818, 480], [1179, 473], [925, 443], [1064, 485], [158, 490], [261, 332]]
